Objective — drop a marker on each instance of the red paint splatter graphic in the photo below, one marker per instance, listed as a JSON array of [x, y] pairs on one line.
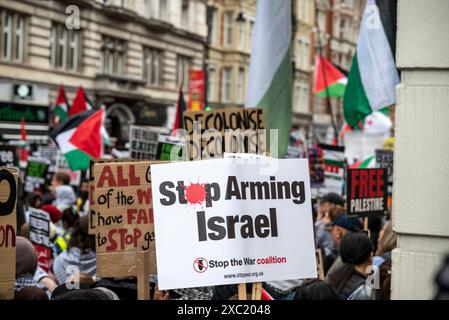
[[195, 193]]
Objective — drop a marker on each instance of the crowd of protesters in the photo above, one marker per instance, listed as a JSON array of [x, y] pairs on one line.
[[356, 258]]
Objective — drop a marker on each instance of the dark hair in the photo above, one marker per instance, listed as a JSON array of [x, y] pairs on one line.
[[83, 294], [32, 198], [385, 281], [62, 177], [316, 289], [355, 248], [80, 237], [70, 217]]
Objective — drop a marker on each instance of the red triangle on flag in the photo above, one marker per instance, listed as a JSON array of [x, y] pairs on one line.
[[79, 103], [61, 99], [87, 136], [331, 73]]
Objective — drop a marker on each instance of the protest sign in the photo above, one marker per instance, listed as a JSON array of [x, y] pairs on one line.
[[197, 88], [316, 165], [236, 130], [61, 165], [171, 149], [51, 153], [121, 216], [36, 173], [40, 236], [384, 159], [334, 168], [221, 222], [8, 201], [8, 156], [366, 192], [143, 142]]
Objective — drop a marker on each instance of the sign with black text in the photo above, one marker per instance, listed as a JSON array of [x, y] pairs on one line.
[[223, 221], [366, 192], [40, 236]]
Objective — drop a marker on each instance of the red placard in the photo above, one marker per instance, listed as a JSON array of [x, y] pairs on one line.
[[196, 90]]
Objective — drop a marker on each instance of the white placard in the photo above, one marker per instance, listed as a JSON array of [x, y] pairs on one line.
[[205, 235]]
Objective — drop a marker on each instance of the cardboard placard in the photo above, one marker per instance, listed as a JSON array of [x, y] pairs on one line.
[[40, 236], [366, 192], [143, 142], [8, 156], [221, 222], [8, 202], [36, 173], [236, 131], [121, 216]]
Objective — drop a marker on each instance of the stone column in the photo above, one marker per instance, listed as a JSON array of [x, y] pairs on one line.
[[421, 169]]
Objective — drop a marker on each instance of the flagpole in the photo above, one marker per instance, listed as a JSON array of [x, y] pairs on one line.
[[323, 70]]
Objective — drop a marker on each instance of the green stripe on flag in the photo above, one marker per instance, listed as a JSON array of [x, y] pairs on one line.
[[277, 103], [77, 160], [335, 90], [355, 103]]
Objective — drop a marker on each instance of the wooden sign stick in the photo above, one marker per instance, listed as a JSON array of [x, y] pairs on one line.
[[242, 291], [257, 291], [143, 275]]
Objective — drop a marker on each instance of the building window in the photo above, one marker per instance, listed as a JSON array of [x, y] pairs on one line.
[[185, 14], [303, 54], [163, 9], [251, 28], [113, 56], [213, 26], [241, 35], [241, 86], [64, 47], [184, 65], [12, 35], [212, 73], [343, 28], [153, 66], [298, 93], [147, 6], [227, 28], [302, 97], [226, 85]]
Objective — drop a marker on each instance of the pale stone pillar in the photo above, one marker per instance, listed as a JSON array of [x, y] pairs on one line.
[[421, 169]]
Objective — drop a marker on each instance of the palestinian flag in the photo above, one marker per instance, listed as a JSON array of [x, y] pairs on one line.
[[61, 105], [373, 76], [366, 163], [327, 75], [80, 138], [80, 103], [270, 72]]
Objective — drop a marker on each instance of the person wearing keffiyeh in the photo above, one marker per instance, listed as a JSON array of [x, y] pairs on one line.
[[80, 255], [26, 287]]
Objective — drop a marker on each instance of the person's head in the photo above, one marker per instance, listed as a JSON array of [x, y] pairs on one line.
[[26, 259], [84, 187], [387, 239], [60, 179], [69, 218], [329, 201], [25, 231], [30, 293], [356, 248], [342, 225], [80, 237], [316, 289], [35, 200], [99, 293]]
